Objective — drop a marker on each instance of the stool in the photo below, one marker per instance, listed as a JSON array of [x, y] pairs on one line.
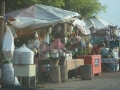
[[25, 71]]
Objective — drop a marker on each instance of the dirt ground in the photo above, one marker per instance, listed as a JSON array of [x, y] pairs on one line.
[[107, 81]]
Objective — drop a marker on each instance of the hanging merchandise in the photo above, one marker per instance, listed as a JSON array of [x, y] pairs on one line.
[[80, 25], [44, 50], [59, 28], [81, 29], [78, 38], [50, 30], [82, 42], [47, 39], [36, 43], [31, 43], [36, 34], [43, 46], [8, 45]]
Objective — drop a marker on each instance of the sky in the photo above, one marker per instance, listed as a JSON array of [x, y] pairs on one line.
[[112, 13]]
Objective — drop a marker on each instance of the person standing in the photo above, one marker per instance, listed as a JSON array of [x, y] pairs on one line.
[[97, 48]]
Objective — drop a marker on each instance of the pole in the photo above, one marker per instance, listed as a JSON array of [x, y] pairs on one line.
[[119, 53], [2, 31]]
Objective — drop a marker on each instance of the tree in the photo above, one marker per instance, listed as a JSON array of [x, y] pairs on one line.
[[55, 3], [86, 8], [17, 4]]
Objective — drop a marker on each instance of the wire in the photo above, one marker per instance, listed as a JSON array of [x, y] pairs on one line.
[[112, 16]]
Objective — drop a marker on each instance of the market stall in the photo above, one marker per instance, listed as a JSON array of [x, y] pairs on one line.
[[102, 31], [58, 45], [42, 36]]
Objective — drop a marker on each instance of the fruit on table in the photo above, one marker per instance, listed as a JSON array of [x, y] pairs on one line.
[[108, 56], [85, 51]]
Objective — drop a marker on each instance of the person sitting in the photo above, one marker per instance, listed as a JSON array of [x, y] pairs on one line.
[[96, 48]]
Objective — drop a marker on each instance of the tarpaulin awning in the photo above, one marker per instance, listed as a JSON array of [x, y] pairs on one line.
[[37, 16]]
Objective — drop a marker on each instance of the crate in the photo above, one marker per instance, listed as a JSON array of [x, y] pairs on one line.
[[95, 60]]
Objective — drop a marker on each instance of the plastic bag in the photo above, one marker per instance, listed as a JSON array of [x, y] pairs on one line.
[[8, 45], [37, 43]]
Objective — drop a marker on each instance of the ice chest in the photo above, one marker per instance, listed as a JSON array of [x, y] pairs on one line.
[[95, 60]]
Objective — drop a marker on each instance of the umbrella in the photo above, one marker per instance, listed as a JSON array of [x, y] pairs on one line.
[[37, 16], [97, 25]]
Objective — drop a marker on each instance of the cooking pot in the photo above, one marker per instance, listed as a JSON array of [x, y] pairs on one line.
[[54, 54]]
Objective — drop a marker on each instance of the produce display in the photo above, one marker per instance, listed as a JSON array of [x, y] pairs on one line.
[[107, 53]]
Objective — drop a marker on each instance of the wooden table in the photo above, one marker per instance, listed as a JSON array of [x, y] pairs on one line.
[[74, 63], [71, 65]]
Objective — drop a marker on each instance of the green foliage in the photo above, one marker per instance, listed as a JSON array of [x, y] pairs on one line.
[[55, 3], [11, 5], [86, 8], [4, 61]]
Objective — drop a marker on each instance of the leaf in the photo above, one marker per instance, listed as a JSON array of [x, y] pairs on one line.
[[18, 2], [4, 61]]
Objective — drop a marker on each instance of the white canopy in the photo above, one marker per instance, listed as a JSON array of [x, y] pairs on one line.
[[99, 25], [37, 16]]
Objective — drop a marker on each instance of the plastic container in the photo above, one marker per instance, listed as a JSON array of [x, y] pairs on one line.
[[95, 60], [23, 55]]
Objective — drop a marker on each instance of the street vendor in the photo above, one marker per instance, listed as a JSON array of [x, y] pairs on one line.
[[96, 48]]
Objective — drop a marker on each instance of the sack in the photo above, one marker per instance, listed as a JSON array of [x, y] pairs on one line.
[[8, 45], [8, 75]]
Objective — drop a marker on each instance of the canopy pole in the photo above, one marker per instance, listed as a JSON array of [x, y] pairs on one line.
[[49, 32], [2, 31]]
